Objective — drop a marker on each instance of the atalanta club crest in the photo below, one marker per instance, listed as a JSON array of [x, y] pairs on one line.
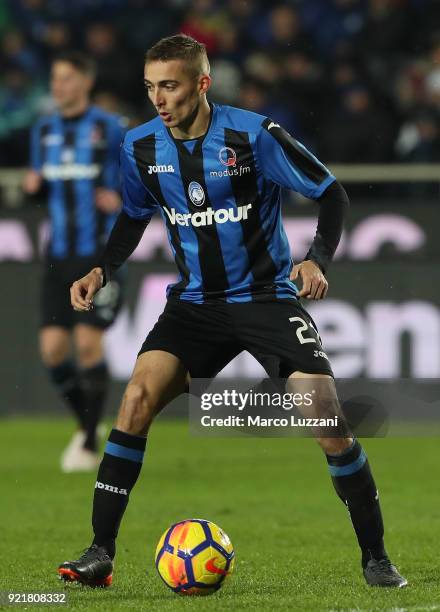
[[227, 156], [196, 193], [97, 137]]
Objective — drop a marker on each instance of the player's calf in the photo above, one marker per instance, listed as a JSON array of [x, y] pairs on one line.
[[354, 483], [137, 409], [157, 375], [334, 446], [117, 475], [351, 476]]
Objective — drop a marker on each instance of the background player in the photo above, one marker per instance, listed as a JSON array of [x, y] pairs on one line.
[[214, 173], [76, 152]]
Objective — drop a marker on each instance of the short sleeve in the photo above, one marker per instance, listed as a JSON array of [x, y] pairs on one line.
[[137, 200], [286, 162]]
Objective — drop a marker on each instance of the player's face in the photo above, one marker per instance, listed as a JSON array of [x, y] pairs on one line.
[[174, 91], [68, 85]]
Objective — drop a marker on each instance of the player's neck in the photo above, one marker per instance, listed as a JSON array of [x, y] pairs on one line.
[[196, 126], [76, 109]]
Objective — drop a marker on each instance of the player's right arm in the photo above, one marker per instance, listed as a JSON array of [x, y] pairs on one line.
[[83, 290], [33, 179], [137, 209], [32, 182]]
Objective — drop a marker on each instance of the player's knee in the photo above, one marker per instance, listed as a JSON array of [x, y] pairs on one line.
[[88, 353], [53, 354], [334, 446], [137, 410]]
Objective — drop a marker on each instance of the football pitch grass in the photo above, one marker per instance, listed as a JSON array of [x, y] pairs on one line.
[[295, 548]]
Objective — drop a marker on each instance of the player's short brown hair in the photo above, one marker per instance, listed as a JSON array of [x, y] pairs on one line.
[[181, 47], [80, 61]]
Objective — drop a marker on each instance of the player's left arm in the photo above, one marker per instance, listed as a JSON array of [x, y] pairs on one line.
[[107, 194], [288, 163], [333, 204]]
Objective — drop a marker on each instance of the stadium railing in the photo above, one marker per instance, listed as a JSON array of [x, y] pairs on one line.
[[12, 196]]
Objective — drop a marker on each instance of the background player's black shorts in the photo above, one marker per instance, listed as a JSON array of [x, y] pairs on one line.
[[279, 333], [56, 308]]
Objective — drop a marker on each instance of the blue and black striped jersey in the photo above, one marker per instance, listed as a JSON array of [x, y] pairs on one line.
[[75, 156], [219, 196]]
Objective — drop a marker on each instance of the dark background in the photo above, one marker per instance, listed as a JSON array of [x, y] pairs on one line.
[[355, 336], [358, 81], [355, 80]]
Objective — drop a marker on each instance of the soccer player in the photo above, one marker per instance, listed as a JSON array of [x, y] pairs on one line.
[[76, 152], [214, 173]]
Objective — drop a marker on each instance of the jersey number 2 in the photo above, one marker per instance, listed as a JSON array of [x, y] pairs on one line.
[[301, 329]]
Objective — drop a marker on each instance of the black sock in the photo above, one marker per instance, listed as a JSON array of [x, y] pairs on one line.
[[117, 475], [94, 384], [65, 378], [354, 483]]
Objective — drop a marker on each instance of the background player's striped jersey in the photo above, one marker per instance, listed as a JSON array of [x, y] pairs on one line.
[[75, 156], [219, 196]]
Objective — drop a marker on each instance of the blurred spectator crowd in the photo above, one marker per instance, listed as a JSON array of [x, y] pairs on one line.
[[355, 80]]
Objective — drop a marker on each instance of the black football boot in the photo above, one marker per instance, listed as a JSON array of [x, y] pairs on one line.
[[94, 568]]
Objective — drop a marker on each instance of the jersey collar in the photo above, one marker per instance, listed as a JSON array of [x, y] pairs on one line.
[[75, 118], [202, 139]]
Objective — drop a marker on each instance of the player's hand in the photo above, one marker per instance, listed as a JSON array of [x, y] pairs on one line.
[[314, 283], [84, 290], [107, 200], [31, 182]]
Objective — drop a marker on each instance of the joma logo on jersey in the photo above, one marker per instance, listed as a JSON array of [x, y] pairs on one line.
[[160, 168], [111, 488], [209, 216]]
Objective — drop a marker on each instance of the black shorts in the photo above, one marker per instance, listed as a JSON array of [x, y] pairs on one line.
[[279, 333], [56, 308]]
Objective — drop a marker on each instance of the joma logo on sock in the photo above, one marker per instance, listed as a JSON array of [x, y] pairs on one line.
[[111, 488]]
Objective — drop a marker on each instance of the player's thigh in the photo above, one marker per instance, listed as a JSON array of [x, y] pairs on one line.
[[54, 345], [157, 379], [319, 402], [55, 307], [88, 343], [282, 336], [89, 326]]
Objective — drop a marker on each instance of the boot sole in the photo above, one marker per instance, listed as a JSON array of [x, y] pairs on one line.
[[69, 575]]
